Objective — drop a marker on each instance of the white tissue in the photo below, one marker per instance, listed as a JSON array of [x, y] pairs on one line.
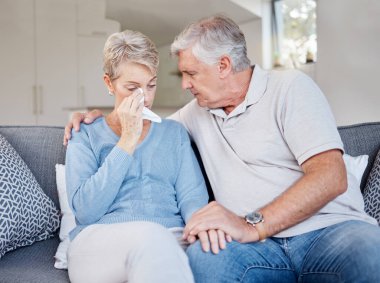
[[148, 114]]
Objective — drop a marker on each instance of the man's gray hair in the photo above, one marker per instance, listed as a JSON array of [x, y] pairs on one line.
[[211, 38], [128, 46]]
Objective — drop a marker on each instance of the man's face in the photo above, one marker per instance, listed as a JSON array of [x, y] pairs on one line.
[[200, 79]]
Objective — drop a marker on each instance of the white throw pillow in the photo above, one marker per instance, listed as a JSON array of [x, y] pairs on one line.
[[355, 166], [352, 199], [67, 220]]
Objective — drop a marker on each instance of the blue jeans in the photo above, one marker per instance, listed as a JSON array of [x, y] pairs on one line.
[[345, 252]]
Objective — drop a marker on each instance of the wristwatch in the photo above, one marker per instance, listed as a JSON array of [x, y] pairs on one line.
[[256, 219]]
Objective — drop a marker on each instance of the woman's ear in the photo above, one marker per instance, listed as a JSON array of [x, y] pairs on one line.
[[225, 66], [108, 83]]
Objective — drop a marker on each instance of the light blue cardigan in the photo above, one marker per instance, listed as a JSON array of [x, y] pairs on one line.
[[161, 182]]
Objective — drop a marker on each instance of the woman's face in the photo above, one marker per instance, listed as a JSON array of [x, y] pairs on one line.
[[131, 77]]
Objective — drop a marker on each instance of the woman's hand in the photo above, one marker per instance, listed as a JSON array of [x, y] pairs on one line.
[[129, 113]]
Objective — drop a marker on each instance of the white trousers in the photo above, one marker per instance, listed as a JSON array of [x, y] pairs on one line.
[[131, 252]]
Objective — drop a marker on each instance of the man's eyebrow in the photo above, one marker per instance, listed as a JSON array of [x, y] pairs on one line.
[[188, 72]]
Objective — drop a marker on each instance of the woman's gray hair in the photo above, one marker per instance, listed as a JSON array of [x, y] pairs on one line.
[[128, 46], [211, 38]]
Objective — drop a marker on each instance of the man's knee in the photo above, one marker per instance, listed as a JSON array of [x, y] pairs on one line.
[[364, 252], [350, 250], [221, 267]]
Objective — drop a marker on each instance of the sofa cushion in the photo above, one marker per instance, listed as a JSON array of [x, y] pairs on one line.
[[32, 264], [27, 215], [371, 191]]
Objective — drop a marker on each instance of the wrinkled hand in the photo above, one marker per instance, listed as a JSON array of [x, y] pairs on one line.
[[78, 118], [129, 113], [214, 217], [216, 239]]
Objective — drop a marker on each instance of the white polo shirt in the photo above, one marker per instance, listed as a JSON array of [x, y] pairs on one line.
[[254, 154]]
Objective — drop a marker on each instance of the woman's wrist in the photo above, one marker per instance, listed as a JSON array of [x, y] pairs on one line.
[[126, 146]]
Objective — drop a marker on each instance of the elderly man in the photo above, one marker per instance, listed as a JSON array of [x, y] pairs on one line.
[[273, 155]]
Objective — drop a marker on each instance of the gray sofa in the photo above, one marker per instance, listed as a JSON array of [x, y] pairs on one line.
[[41, 148]]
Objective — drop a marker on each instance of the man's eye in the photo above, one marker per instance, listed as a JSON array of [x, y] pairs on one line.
[[151, 86]]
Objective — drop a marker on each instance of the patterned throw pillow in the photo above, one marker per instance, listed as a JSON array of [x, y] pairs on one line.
[[27, 214], [371, 191]]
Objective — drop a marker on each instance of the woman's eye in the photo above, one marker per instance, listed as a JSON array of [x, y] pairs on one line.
[[151, 86]]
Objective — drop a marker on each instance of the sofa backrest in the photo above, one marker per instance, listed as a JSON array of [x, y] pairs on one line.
[[41, 148]]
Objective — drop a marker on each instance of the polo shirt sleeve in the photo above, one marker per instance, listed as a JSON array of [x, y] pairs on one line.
[[309, 126]]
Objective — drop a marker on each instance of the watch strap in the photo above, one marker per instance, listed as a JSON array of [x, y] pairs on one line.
[[261, 231]]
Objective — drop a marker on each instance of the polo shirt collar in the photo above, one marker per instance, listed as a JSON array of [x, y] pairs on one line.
[[256, 90]]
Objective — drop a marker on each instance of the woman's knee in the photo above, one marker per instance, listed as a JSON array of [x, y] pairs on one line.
[[152, 235]]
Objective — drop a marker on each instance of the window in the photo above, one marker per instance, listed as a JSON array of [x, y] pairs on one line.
[[294, 29]]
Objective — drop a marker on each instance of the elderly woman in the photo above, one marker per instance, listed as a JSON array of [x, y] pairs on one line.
[[132, 183]]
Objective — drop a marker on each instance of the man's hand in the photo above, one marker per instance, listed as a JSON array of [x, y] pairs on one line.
[[78, 118], [213, 223], [215, 238]]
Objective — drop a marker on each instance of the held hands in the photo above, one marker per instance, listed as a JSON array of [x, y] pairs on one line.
[[213, 224], [129, 113]]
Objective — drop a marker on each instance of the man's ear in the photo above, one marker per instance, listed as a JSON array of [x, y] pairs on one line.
[[107, 81], [225, 66]]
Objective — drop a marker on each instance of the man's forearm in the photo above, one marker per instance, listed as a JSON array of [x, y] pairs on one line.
[[324, 179]]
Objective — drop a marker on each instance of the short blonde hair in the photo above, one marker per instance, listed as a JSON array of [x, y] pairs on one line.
[[132, 46]]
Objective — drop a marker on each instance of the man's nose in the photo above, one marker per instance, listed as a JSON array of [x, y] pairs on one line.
[[185, 83]]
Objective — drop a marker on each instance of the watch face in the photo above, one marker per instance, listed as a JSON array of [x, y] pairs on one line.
[[254, 217]]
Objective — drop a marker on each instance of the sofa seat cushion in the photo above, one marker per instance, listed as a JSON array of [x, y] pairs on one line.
[[27, 214], [32, 264], [371, 191]]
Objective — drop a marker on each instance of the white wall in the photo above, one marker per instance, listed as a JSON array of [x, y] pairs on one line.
[[252, 31], [348, 63], [169, 93]]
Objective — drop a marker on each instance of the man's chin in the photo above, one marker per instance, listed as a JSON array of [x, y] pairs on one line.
[[206, 104], [201, 103]]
